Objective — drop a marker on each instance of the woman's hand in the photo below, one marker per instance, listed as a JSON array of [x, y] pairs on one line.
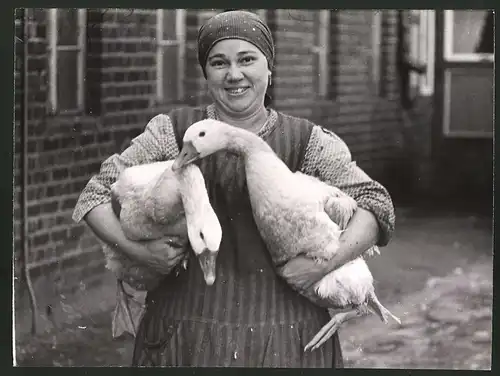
[[302, 272], [160, 258], [162, 255]]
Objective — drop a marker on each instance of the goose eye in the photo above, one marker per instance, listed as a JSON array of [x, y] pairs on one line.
[[202, 134], [201, 236]]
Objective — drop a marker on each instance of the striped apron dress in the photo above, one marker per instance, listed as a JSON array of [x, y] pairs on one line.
[[250, 317]]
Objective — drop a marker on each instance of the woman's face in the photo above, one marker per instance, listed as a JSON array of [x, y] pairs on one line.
[[237, 76]]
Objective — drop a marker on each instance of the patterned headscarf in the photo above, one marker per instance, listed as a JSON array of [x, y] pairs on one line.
[[236, 24]]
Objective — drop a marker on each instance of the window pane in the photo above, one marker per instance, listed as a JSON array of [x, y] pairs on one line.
[[67, 27], [67, 69], [469, 29], [470, 106], [170, 73], [169, 24]]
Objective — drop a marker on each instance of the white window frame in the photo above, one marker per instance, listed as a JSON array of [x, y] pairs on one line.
[[180, 41], [376, 49], [449, 55], [53, 50], [422, 49], [322, 49]]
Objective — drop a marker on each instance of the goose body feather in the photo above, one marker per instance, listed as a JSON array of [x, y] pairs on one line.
[[150, 210]]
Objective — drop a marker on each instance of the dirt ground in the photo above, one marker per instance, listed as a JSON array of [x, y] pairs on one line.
[[436, 275]]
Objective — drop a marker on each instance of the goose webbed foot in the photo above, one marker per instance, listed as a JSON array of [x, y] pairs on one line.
[[327, 331], [380, 310]]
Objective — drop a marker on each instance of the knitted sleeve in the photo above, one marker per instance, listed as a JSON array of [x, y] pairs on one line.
[[156, 143], [328, 158]]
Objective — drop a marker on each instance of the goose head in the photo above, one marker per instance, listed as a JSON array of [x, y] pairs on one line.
[[202, 139], [205, 235]]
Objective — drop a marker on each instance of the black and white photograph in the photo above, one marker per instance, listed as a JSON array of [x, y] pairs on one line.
[[259, 188]]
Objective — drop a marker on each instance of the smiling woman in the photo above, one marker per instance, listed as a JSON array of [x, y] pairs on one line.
[[249, 316]]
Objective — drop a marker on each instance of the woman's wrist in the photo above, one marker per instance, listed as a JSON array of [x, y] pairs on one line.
[[134, 250]]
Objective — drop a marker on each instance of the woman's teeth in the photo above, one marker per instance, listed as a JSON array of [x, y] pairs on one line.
[[236, 91]]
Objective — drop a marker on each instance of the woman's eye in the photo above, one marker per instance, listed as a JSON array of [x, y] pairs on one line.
[[217, 63], [247, 59]]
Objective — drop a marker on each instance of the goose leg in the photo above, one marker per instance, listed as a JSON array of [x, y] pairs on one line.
[[380, 310], [333, 325]]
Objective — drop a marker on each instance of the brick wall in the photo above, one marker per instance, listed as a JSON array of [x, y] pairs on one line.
[[65, 151]]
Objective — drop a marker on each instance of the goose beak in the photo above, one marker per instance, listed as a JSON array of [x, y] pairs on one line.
[[207, 263], [187, 155]]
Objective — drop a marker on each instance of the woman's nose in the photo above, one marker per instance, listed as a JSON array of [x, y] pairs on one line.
[[234, 73]]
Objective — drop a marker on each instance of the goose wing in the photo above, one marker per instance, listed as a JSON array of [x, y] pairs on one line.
[[336, 204]]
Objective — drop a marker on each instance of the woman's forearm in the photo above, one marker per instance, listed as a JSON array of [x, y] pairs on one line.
[[106, 227], [361, 234]]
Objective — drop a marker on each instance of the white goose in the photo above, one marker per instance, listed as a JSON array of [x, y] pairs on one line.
[[154, 202], [295, 214]]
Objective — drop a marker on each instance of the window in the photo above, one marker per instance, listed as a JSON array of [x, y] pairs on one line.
[[468, 102], [67, 36], [468, 35], [468, 87], [170, 54], [422, 49]]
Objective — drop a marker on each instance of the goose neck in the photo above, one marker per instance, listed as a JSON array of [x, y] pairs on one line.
[[245, 142], [192, 188]]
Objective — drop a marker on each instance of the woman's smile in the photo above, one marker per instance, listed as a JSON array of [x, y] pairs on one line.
[[237, 91]]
